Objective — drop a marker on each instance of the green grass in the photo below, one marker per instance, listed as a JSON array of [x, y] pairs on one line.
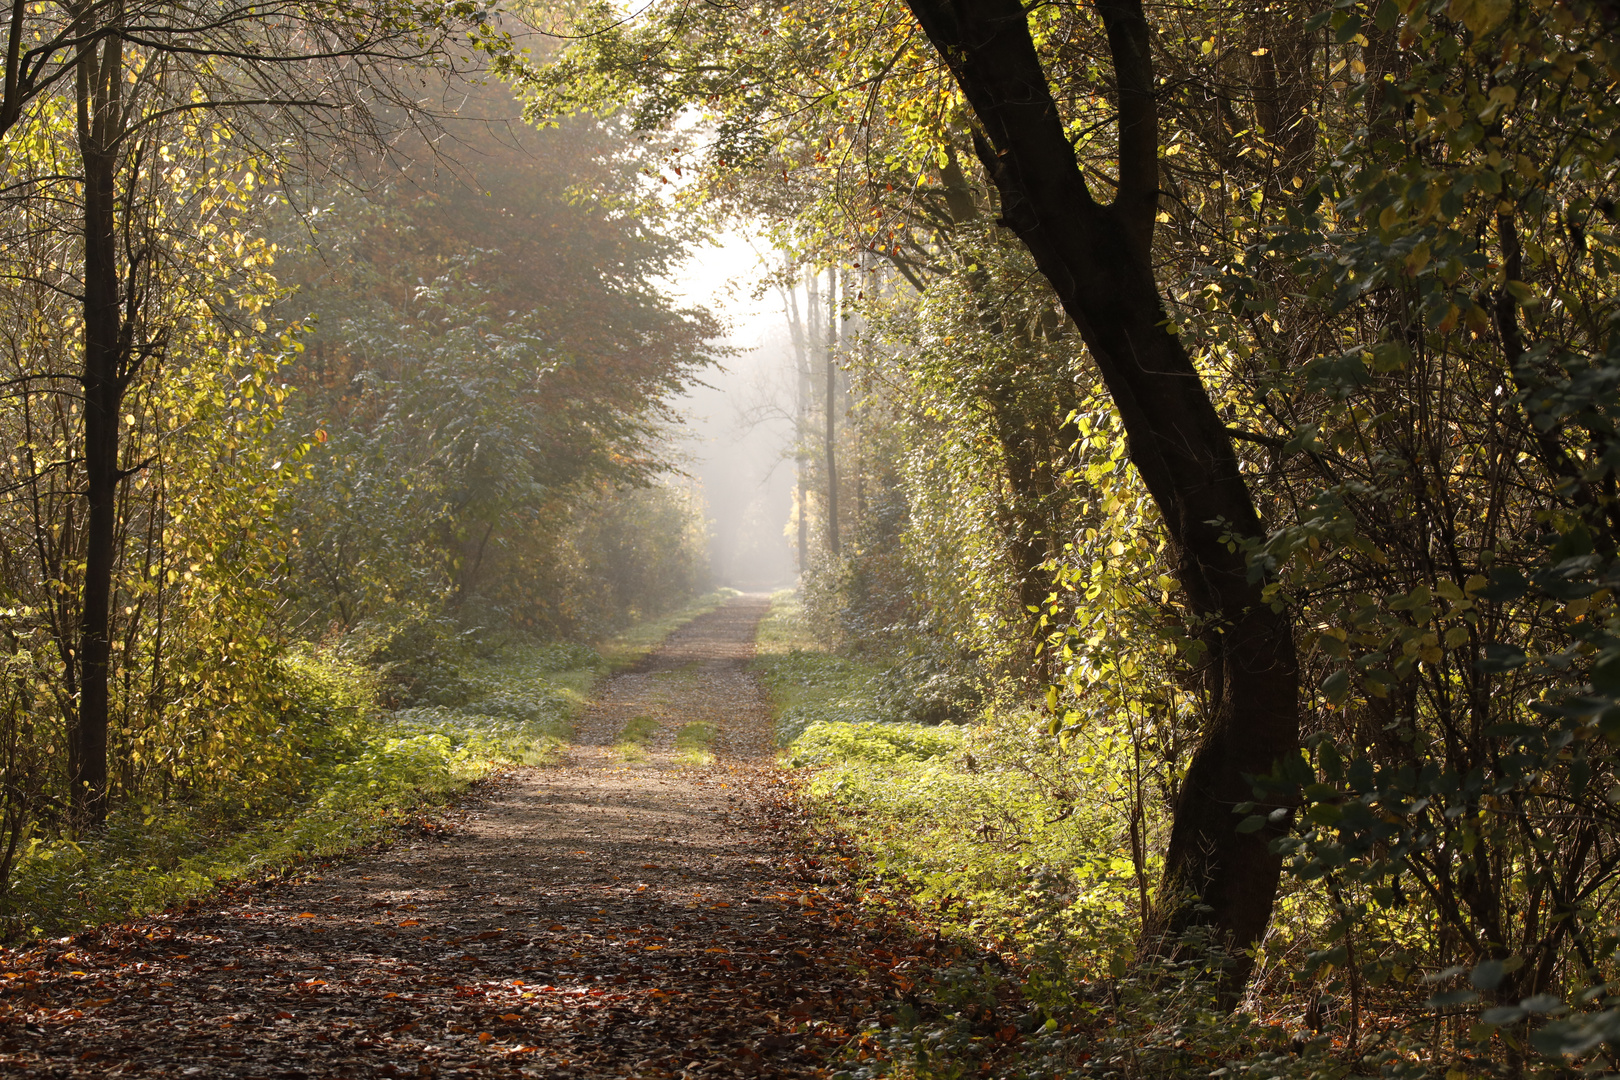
[[523, 705], [692, 743], [631, 745], [1004, 835], [1007, 838], [999, 836], [808, 684], [377, 775]]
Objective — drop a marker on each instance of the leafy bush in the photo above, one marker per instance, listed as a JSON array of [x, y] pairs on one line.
[[414, 661], [824, 743], [923, 690], [151, 856]]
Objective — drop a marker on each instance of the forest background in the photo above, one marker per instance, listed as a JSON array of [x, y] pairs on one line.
[[1214, 406]]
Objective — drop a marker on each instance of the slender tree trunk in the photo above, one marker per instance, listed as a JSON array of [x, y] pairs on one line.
[[831, 437], [106, 351], [801, 361], [812, 296], [804, 516], [1098, 258]]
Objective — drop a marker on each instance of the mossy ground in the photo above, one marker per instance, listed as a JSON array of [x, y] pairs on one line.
[[693, 744], [631, 745]]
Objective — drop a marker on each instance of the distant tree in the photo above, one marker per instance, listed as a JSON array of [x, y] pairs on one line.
[[491, 348]]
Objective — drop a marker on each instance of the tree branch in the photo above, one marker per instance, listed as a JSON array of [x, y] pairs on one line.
[[1130, 44]]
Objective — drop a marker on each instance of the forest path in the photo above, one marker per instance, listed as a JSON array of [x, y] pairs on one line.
[[603, 918]]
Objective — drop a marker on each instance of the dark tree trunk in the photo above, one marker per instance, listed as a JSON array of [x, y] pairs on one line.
[[1098, 258], [104, 379]]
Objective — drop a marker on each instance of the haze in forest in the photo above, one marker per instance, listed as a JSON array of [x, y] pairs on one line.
[[736, 439]]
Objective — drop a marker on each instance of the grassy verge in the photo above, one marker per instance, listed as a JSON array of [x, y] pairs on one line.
[[365, 773], [807, 683], [994, 833]]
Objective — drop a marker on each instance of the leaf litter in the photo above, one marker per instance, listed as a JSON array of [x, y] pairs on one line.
[[600, 918]]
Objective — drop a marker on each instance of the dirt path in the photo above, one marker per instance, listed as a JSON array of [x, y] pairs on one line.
[[600, 919]]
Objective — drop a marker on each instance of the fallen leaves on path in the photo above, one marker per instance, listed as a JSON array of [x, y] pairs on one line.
[[588, 920]]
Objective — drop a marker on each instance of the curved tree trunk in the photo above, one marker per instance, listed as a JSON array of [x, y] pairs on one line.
[[1098, 258]]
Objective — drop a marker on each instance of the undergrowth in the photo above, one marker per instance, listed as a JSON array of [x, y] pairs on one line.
[[810, 684], [474, 703], [1003, 838]]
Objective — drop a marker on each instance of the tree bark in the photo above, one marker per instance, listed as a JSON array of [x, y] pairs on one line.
[[1098, 258], [104, 379]]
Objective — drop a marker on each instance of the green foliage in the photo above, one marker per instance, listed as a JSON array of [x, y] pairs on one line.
[[1007, 835], [1007, 838], [433, 427], [809, 688], [197, 690], [485, 387], [842, 742], [810, 685]]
